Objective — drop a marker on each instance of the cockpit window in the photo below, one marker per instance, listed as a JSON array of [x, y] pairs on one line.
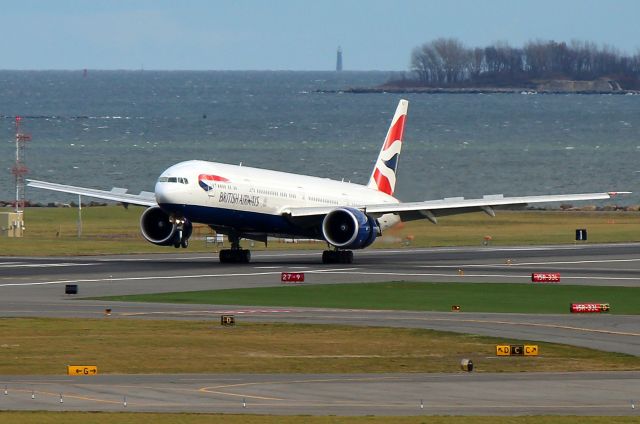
[[180, 180]]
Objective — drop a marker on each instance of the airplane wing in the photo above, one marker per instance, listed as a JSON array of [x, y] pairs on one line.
[[432, 209], [145, 198]]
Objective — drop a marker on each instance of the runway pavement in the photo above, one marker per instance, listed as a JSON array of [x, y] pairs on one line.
[[607, 393], [35, 287]]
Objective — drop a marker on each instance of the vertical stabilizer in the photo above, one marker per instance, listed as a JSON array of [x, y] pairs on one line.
[[383, 177]]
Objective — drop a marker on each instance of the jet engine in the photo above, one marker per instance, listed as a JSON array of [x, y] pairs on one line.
[[158, 227], [349, 228]]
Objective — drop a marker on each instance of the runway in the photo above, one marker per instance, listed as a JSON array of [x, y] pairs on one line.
[[606, 393], [35, 287]]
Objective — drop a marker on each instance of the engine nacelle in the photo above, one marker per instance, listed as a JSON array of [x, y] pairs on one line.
[[349, 228], [158, 227]]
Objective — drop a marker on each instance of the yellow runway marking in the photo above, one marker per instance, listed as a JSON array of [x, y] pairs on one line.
[[213, 389], [69, 396]]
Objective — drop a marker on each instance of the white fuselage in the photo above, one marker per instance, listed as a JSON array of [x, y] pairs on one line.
[[254, 199]]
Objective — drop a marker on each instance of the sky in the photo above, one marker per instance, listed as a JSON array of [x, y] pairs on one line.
[[288, 34]]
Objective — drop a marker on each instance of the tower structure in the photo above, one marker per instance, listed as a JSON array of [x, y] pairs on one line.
[[339, 59], [20, 169]]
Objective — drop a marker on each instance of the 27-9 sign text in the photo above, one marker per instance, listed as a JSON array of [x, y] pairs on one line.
[[292, 277]]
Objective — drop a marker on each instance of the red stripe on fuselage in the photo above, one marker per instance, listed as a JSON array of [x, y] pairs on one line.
[[212, 178]]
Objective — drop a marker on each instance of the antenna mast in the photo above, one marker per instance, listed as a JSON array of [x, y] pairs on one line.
[[19, 170]]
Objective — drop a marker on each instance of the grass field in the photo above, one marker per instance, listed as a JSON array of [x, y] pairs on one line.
[[133, 418], [118, 346], [113, 229], [485, 297]]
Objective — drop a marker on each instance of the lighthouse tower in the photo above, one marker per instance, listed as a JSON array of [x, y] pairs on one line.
[[339, 60]]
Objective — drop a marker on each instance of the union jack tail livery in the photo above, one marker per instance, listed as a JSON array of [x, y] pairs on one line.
[[383, 177]]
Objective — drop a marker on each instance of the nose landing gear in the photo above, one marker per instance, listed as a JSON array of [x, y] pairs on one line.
[[182, 236]]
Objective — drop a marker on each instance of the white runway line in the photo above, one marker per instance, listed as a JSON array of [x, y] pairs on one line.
[[466, 275], [163, 277], [516, 264], [46, 265]]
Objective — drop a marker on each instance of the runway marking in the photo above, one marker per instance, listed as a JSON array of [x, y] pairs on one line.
[[236, 311], [69, 396], [217, 392], [458, 277], [213, 389], [515, 264], [166, 277], [49, 265], [350, 271]]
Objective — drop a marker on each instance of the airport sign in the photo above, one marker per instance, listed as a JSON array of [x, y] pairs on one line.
[[82, 370], [580, 308], [517, 350], [292, 277], [545, 277]]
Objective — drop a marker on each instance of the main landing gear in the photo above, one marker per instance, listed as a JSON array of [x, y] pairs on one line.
[[337, 257], [235, 255]]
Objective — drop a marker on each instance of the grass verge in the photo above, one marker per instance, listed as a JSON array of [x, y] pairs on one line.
[[485, 297], [134, 418], [44, 346]]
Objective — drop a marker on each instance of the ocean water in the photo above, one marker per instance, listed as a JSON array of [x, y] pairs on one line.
[[123, 128]]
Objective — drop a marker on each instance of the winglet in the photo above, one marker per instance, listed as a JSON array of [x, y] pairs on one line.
[[383, 177]]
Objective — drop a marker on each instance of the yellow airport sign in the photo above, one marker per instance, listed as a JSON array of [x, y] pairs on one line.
[[503, 350], [530, 350], [517, 350], [82, 370]]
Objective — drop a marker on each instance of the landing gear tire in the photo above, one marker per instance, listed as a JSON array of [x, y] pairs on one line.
[[235, 256], [245, 255], [184, 243], [337, 257]]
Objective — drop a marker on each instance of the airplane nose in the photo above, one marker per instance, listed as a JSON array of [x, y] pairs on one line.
[[167, 193]]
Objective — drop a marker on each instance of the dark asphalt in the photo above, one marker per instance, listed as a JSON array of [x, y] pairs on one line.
[[35, 287]]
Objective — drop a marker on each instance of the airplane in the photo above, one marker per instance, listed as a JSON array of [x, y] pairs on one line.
[[251, 203]]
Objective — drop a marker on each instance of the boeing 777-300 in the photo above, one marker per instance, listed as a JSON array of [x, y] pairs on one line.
[[250, 203]]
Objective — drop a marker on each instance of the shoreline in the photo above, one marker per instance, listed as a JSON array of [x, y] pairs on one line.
[[472, 90]]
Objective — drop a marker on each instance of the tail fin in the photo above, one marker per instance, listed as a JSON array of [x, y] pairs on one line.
[[383, 177]]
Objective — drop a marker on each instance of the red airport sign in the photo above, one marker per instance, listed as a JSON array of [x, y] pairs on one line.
[[292, 277], [580, 308], [545, 277]]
